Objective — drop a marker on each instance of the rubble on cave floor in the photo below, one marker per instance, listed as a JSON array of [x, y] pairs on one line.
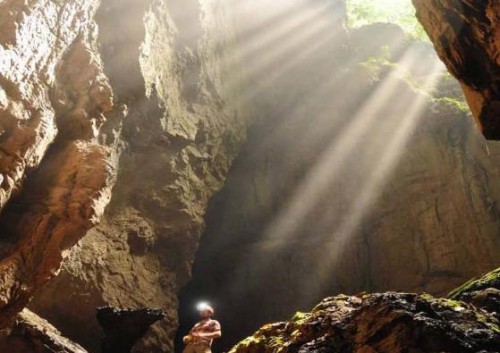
[[32, 334], [387, 323]]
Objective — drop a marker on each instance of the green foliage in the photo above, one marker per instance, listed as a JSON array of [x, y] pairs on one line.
[[452, 102], [379, 66], [400, 12], [375, 65]]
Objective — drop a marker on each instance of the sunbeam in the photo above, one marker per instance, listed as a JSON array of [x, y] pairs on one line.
[[329, 165], [394, 149], [367, 130]]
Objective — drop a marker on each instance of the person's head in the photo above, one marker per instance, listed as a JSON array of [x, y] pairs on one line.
[[205, 310]]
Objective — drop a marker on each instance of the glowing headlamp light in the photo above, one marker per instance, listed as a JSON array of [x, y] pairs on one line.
[[202, 306]]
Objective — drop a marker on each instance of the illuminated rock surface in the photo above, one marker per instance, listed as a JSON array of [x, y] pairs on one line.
[[466, 35], [383, 323], [57, 168]]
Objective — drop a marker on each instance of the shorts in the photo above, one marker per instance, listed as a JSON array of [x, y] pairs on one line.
[[197, 348]]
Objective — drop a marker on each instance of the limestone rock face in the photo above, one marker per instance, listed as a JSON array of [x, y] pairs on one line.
[[57, 170], [120, 119], [466, 35], [142, 96], [174, 65], [385, 323]]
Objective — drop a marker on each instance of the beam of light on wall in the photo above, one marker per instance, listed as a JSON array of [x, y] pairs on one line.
[[393, 152], [265, 73], [268, 60], [331, 161], [367, 129]]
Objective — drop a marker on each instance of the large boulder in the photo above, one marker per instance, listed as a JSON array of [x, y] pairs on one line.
[[380, 323]]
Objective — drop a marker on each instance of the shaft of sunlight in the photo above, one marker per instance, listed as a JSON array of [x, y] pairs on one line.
[[332, 159], [393, 152]]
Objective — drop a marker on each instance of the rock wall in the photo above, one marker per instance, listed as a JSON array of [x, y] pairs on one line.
[[467, 38], [69, 74], [57, 167]]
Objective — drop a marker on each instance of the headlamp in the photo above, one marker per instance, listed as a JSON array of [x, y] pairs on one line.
[[202, 306]]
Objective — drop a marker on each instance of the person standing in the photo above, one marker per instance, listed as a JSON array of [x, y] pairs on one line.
[[201, 336]]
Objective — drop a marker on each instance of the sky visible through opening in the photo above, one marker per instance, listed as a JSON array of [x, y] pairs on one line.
[[400, 12]]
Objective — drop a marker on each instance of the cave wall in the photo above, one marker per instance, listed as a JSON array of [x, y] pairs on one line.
[[143, 97], [466, 36], [57, 165]]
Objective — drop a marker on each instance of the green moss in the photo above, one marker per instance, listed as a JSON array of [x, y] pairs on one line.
[[451, 304], [377, 64], [247, 343], [427, 296], [377, 67], [486, 321], [276, 342], [459, 306], [454, 103], [299, 318], [443, 302], [491, 279]]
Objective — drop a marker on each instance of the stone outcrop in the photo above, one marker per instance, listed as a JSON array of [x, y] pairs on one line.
[[384, 323], [466, 35], [124, 327], [32, 334], [483, 293]]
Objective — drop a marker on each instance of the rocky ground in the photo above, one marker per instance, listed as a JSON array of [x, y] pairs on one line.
[[387, 323]]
